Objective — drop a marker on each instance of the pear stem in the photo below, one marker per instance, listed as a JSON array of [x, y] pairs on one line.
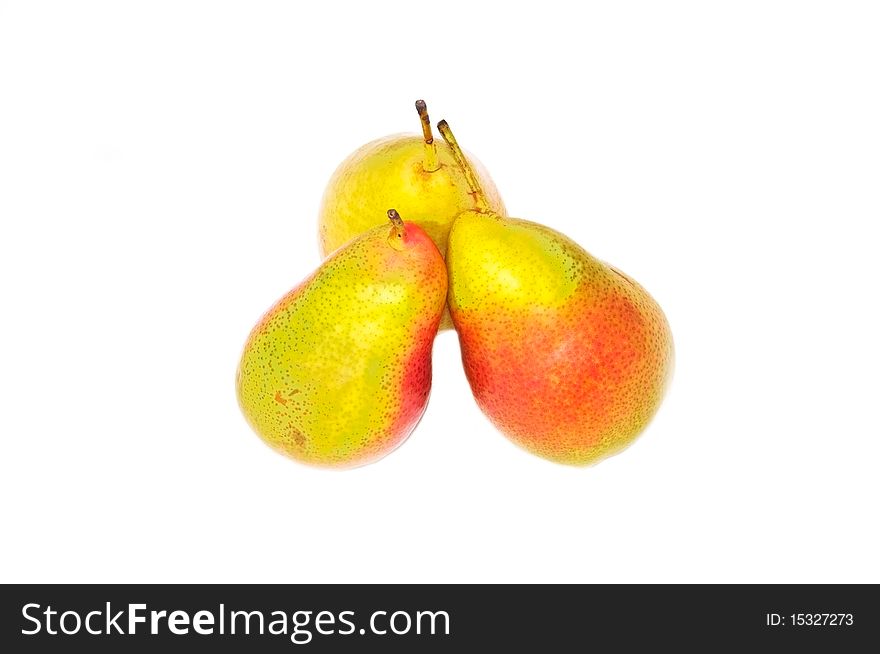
[[431, 162], [397, 221], [469, 175]]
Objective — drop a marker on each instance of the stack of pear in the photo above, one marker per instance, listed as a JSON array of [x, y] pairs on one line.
[[338, 372], [565, 354]]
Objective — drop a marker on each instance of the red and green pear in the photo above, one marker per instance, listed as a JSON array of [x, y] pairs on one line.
[[567, 356], [338, 372]]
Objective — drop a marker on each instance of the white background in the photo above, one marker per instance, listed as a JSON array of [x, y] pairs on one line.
[[161, 165]]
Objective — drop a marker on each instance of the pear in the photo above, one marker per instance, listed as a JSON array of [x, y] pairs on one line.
[[410, 172], [566, 355], [338, 372]]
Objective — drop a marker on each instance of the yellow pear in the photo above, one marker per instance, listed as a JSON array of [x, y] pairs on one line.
[[415, 174]]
